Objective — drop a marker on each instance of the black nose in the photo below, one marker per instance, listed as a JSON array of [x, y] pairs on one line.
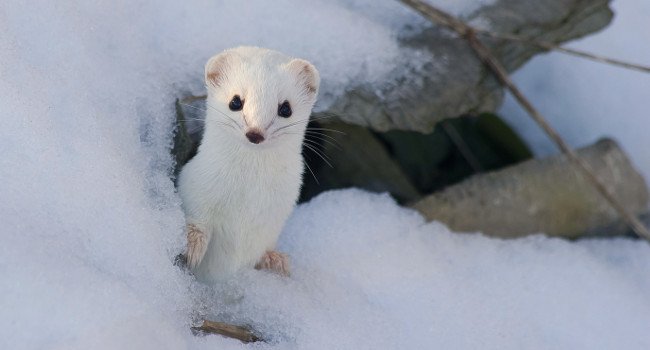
[[254, 137]]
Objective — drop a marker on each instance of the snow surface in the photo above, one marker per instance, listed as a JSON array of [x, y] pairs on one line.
[[587, 100], [91, 223]]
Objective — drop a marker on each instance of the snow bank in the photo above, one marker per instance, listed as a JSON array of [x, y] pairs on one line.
[[91, 223], [587, 100], [371, 275]]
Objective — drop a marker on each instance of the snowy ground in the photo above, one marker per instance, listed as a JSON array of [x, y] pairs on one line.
[[90, 221]]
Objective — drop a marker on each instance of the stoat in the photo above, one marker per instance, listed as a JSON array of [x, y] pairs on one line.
[[242, 185]]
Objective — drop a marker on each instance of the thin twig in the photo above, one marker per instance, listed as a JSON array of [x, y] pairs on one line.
[[244, 334], [551, 46], [462, 146], [483, 52]]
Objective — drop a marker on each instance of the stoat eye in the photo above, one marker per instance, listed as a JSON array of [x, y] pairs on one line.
[[284, 110], [236, 104]]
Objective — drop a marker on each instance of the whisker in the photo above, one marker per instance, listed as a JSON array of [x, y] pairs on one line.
[[216, 110], [328, 114], [216, 121], [326, 129], [318, 133], [301, 122], [321, 117], [191, 106], [312, 142], [222, 113], [326, 141], [318, 154], [228, 125], [311, 171], [274, 135], [289, 125]]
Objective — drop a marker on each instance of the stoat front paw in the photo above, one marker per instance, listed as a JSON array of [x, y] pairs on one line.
[[274, 261], [197, 244]]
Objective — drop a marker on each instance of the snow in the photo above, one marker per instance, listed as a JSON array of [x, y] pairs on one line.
[[91, 223], [587, 100], [371, 275]]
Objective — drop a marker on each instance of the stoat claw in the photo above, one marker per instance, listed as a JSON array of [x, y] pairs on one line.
[[274, 261], [197, 244]]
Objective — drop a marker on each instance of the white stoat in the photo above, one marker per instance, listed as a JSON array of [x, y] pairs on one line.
[[240, 188]]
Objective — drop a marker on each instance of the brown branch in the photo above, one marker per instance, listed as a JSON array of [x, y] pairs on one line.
[[243, 334], [551, 46], [483, 52]]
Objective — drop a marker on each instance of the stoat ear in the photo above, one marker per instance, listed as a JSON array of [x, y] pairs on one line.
[[215, 69], [307, 74]]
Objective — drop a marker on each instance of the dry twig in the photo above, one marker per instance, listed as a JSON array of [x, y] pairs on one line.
[[243, 334], [462, 146], [551, 46], [483, 52]]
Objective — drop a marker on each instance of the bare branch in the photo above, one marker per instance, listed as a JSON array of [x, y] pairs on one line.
[[551, 46]]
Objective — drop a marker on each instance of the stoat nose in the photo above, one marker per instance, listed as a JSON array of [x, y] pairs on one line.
[[254, 136]]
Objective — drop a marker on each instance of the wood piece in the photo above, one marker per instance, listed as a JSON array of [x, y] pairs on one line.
[[244, 334]]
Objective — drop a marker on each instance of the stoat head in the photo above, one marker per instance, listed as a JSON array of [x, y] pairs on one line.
[[260, 96]]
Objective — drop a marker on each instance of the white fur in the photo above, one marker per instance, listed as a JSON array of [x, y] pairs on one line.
[[239, 194]]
